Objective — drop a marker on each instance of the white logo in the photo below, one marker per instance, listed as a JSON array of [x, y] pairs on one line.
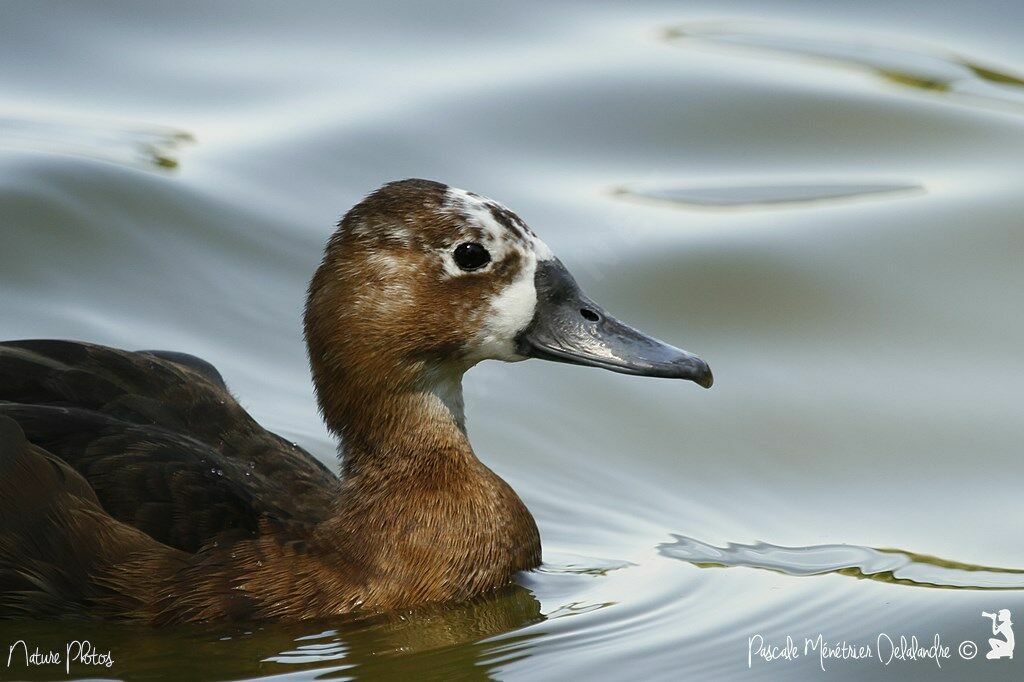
[[1001, 625]]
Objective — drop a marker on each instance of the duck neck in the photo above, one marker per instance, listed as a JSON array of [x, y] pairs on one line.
[[401, 421], [417, 509]]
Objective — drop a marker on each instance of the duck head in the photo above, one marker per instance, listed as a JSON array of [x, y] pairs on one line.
[[421, 281]]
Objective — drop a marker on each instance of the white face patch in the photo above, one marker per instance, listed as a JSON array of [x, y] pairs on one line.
[[509, 311]]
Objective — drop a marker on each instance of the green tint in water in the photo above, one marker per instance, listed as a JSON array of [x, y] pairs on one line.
[[439, 642], [923, 69], [139, 146]]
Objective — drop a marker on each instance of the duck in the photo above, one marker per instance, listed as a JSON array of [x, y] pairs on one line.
[[134, 487]]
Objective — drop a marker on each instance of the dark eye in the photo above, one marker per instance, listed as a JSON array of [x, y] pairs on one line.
[[470, 256]]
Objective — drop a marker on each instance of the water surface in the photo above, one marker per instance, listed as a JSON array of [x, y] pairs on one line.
[[820, 199]]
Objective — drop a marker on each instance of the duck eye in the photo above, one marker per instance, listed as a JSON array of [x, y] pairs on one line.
[[470, 256]]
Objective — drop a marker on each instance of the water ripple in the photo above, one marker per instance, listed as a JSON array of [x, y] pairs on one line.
[[885, 565], [152, 147], [581, 565], [920, 68], [757, 195]]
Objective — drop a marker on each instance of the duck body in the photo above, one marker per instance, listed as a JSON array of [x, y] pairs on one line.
[[134, 487]]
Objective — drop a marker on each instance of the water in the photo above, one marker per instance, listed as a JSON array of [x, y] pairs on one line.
[[820, 199]]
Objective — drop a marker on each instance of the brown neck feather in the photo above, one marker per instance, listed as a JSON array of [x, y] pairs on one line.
[[419, 514], [402, 420]]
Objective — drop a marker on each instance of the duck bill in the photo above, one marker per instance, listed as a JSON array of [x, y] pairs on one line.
[[568, 327]]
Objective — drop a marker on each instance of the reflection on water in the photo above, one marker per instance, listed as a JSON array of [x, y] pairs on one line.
[[923, 68], [886, 565], [429, 643], [140, 146], [443, 642], [743, 196]]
